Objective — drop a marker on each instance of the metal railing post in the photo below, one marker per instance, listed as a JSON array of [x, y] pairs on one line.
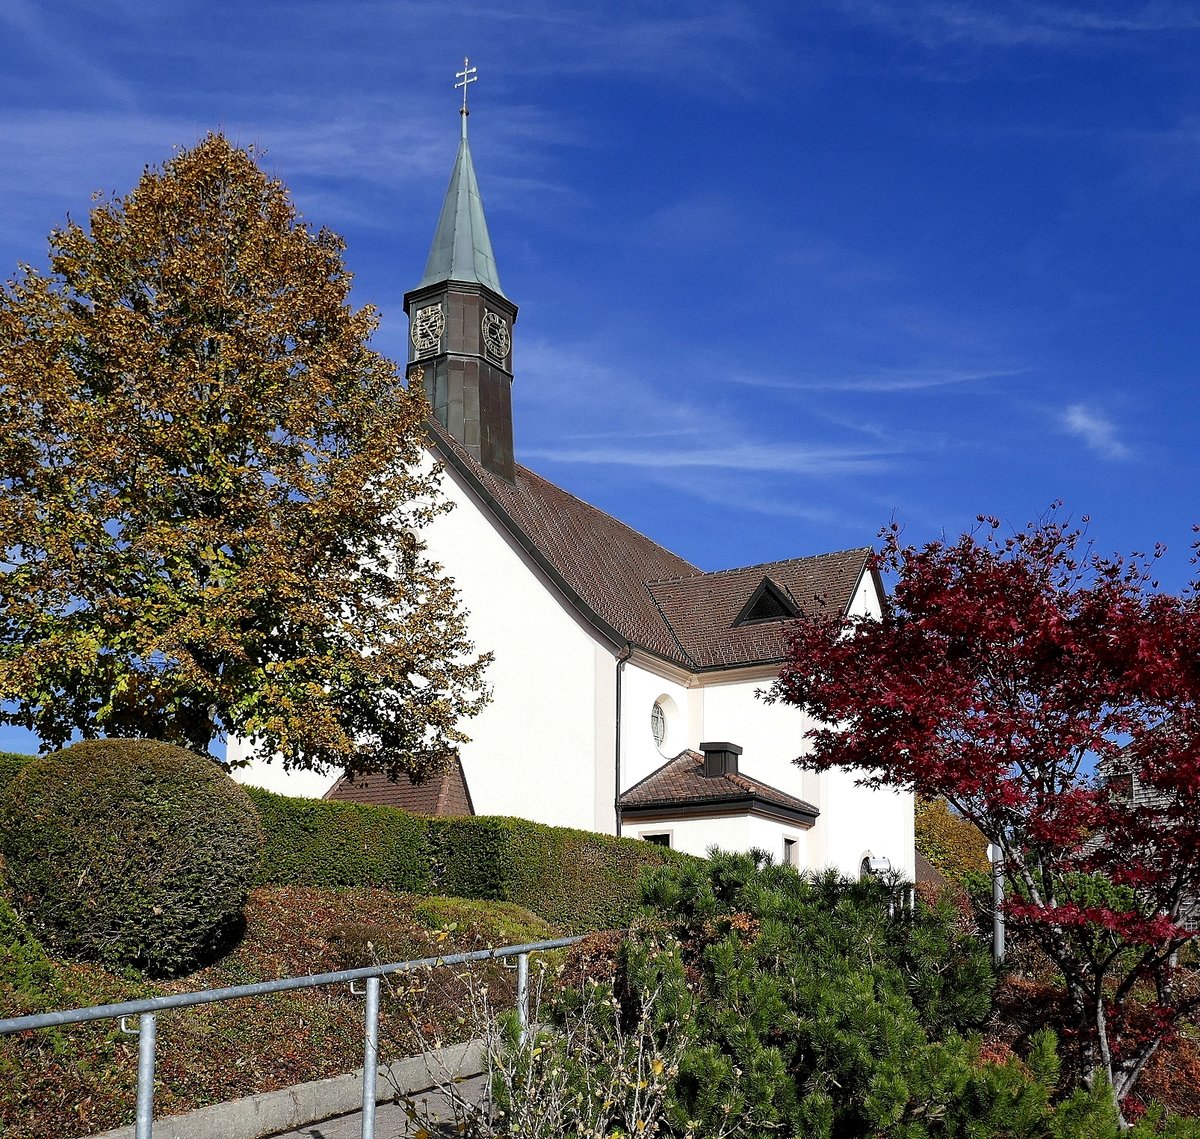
[[523, 996], [147, 1037], [370, 1058]]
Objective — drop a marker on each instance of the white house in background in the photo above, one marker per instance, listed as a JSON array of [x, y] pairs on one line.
[[625, 679]]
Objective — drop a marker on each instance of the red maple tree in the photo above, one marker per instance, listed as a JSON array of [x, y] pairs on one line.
[[1053, 697]]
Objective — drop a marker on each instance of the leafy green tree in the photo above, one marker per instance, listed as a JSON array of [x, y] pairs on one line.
[[213, 490]]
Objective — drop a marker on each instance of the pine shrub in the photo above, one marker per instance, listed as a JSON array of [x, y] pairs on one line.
[[128, 852]]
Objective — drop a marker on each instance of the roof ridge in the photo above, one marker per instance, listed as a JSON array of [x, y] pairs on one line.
[[864, 550]]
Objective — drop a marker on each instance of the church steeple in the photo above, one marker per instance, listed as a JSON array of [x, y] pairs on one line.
[[460, 321], [462, 248]]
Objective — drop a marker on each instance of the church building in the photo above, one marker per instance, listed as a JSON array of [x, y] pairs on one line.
[[625, 680]]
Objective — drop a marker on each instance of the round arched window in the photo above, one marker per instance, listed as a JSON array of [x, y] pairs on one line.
[[658, 724]]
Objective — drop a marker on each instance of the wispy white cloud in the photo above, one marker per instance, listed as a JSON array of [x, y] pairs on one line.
[[40, 34], [1098, 432], [745, 455], [940, 23], [908, 379], [762, 496], [660, 434]]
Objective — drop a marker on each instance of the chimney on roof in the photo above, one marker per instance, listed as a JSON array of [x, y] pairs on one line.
[[720, 759]]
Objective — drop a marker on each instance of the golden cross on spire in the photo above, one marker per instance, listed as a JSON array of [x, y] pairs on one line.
[[466, 77]]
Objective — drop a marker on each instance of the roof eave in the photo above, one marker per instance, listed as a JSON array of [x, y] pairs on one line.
[[723, 804]]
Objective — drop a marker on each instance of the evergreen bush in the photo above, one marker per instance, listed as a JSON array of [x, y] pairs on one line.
[[128, 852], [807, 1009], [815, 1009]]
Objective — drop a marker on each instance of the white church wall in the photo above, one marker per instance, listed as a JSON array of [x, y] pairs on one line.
[[770, 735], [540, 749], [739, 833], [640, 689], [769, 835], [534, 748], [883, 825], [271, 775], [852, 818], [866, 600], [695, 836]]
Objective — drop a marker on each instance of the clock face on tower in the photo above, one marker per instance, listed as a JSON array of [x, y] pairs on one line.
[[496, 340], [427, 326]]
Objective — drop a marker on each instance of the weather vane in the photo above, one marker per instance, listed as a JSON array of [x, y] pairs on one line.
[[466, 76]]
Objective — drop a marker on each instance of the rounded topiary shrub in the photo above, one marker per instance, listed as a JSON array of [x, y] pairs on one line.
[[129, 852]]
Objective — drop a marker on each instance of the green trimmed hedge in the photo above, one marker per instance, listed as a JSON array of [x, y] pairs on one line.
[[315, 842], [574, 878], [11, 765], [577, 879]]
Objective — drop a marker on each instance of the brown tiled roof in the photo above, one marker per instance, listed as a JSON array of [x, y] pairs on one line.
[[927, 873], [681, 782], [442, 794], [701, 610], [643, 593]]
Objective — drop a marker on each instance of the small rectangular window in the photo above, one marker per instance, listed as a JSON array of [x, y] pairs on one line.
[[791, 852], [658, 839]]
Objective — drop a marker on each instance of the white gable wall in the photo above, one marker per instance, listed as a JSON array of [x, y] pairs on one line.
[[542, 749]]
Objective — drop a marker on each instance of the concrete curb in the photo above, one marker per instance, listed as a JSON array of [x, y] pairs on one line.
[[269, 1112]]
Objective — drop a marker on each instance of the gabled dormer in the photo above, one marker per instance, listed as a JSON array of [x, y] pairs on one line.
[[769, 602]]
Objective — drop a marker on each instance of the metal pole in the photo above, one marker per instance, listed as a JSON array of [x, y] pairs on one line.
[[997, 857], [147, 1035], [370, 1058], [523, 995]]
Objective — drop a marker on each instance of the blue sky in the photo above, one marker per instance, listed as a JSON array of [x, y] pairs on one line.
[[786, 270]]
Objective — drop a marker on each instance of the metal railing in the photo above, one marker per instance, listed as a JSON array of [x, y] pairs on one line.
[[147, 1009]]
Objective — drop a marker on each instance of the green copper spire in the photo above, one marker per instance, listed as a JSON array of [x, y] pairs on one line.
[[462, 249]]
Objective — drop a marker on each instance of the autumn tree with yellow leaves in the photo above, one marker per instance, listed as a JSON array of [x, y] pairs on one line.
[[212, 495]]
